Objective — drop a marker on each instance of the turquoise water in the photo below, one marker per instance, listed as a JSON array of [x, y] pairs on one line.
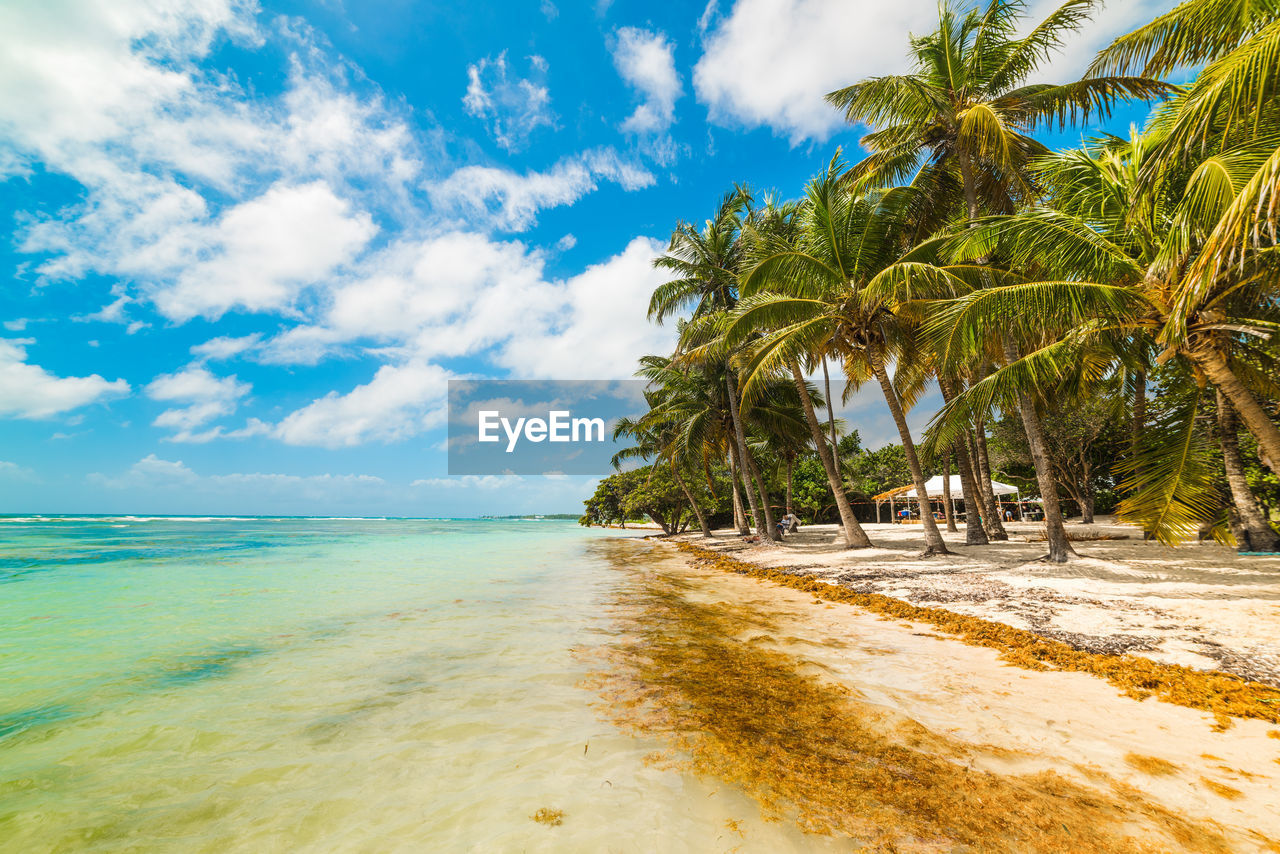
[[329, 685]]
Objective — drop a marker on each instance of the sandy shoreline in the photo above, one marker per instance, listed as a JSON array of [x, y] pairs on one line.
[[1201, 605], [1022, 722]]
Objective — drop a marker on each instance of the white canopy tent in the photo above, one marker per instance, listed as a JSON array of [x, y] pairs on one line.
[[934, 492], [933, 487]]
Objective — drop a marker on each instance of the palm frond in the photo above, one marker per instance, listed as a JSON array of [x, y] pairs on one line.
[[1171, 479]]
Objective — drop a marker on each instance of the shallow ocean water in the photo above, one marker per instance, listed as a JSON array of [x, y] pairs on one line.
[[258, 685]]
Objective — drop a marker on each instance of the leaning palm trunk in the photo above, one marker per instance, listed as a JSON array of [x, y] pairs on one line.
[[739, 514], [688, 496], [1245, 404], [831, 415], [1254, 533], [975, 530], [854, 536], [744, 460], [1055, 531], [933, 543]]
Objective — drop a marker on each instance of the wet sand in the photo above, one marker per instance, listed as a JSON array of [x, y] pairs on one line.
[[1162, 765]]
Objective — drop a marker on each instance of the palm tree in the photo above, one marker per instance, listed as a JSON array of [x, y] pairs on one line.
[[777, 223], [706, 263], [804, 296], [655, 440], [966, 110], [959, 124], [1252, 531], [1113, 274], [1226, 127]]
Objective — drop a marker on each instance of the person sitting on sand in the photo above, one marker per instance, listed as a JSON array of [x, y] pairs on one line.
[[788, 524]]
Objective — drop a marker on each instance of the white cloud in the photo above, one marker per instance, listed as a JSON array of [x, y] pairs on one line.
[[150, 471], [225, 347], [511, 201], [464, 294], [770, 62], [646, 62], [13, 471], [176, 161], [261, 253], [333, 133], [154, 473], [16, 325], [1108, 21], [73, 74], [29, 391], [589, 329], [511, 107], [708, 15], [469, 481], [400, 401], [453, 294], [207, 398]]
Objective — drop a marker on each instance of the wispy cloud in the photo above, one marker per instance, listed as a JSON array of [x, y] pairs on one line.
[[511, 107], [510, 200]]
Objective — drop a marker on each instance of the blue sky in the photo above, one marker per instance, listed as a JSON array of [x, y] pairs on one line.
[[250, 243]]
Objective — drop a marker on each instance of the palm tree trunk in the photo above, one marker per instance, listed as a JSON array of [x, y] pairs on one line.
[[791, 464], [947, 510], [975, 532], [1087, 491], [1055, 531], [744, 459], [739, 514], [854, 536], [991, 509], [1139, 409], [966, 180], [769, 523], [933, 544], [831, 416], [688, 496], [991, 521], [1258, 535], [1245, 404]]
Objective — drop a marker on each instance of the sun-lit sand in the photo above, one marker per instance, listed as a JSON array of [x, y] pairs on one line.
[[1074, 724], [1199, 604]]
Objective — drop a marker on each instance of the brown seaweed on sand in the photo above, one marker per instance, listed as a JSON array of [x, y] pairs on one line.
[[703, 678], [1221, 694], [548, 816]]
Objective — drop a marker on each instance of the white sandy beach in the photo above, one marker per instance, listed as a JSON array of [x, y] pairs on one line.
[[1199, 604], [1023, 722]]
